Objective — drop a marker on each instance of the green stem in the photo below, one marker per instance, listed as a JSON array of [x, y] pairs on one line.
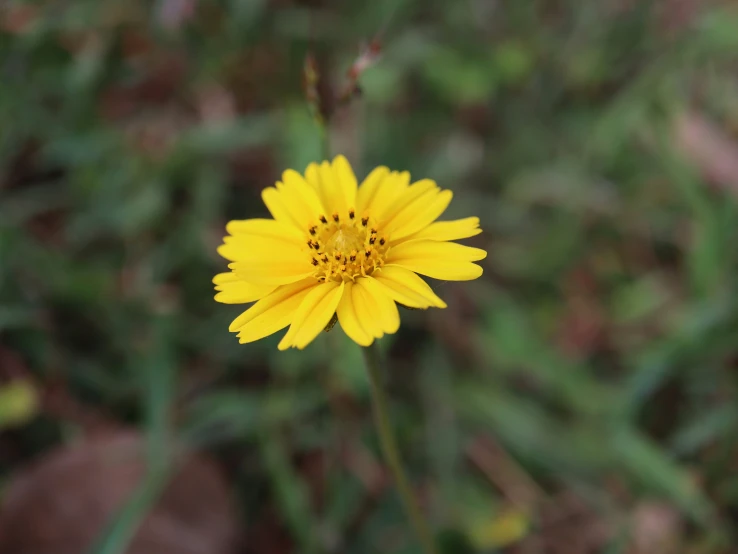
[[325, 140], [391, 453]]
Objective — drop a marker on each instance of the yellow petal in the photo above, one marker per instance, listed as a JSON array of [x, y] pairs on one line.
[[231, 252], [223, 278], [275, 203], [318, 319], [346, 179], [427, 215], [449, 230], [366, 311], [388, 316], [440, 260], [407, 288], [280, 295], [291, 204], [306, 197], [388, 192], [349, 320], [233, 290], [329, 190], [434, 251], [313, 315], [445, 271], [409, 203], [312, 177], [264, 228], [274, 319], [237, 248], [369, 187], [272, 271]]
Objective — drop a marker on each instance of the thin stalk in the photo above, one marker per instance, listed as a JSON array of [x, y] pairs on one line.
[[325, 139], [391, 453]]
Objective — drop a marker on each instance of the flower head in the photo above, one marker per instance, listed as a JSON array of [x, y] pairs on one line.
[[338, 249]]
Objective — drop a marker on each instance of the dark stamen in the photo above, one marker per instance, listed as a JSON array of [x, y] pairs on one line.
[[323, 219], [382, 241], [315, 262], [352, 214], [335, 217], [364, 221]]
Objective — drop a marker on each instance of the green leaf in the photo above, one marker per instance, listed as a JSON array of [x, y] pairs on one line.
[[156, 369], [659, 474]]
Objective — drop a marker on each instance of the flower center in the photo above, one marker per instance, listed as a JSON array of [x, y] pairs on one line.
[[344, 247]]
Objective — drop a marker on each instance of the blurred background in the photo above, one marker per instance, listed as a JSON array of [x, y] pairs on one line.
[[581, 397]]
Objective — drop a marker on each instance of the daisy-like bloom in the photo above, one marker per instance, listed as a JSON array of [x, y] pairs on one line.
[[338, 249]]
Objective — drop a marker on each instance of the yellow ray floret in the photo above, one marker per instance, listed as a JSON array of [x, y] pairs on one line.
[[337, 249]]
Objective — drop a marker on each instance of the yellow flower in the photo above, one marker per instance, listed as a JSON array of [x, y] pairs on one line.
[[334, 248]]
